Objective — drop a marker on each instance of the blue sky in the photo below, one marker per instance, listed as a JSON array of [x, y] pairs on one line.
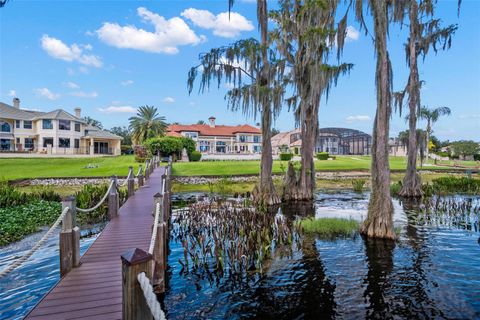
[[109, 57]]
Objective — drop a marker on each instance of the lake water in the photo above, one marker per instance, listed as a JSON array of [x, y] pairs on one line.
[[432, 271]]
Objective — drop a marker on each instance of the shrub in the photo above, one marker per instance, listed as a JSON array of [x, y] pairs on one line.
[[141, 153], [165, 145], [329, 227], [358, 184], [20, 221], [188, 144], [195, 156], [476, 157], [443, 154], [322, 156], [395, 188], [10, 196], [456, 185], [286, 156]]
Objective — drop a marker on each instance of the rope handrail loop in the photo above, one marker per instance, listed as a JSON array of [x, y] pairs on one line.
[[154, 230], [150, 297], [40, 242], [139, 170], [99, 203], [130, 174]]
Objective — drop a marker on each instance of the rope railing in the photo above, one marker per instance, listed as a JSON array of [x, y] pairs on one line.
[[40, 242], [129, 176], [154, 232], [139, 172], [150, 297], [99, 203]]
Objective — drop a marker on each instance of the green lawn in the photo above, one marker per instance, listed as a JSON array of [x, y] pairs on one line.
[[19, 168], [228, 168]]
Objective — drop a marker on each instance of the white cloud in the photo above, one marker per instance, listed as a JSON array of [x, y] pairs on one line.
[[46, 93], [81, 94], [118, 109], [12, 93], [169, 100], [83, 69], [352, 34], [227, 25], [71, 85], [127, 82], [168, 34], [229, 85], [59, 50], [350, 119]]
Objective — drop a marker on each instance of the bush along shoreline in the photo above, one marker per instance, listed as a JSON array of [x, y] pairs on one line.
[[445, 186], [22, 214]]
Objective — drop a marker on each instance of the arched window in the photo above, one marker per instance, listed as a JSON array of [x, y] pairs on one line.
[[5, 127]]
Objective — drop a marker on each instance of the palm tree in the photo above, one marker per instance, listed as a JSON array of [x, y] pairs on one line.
[[146, 124], [432, 115]]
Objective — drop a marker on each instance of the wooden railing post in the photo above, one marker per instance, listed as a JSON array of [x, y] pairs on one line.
[[147, 169], [69, 238], [113, 200], [131, 182], [134, 305], [159, 262], [140, 176]]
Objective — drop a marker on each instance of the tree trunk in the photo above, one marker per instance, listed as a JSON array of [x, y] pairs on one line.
[[412, 184], [304, 185], [264, 193], [379, 222], [429, 128]]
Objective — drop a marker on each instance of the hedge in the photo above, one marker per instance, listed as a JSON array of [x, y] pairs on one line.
[[322, 156], [195, 156], [286, 156]]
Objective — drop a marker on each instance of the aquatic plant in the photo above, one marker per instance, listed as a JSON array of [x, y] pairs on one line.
[[229, 237], [358, 184], [456, 185], [89, 196], [12, 196], [328, 227]]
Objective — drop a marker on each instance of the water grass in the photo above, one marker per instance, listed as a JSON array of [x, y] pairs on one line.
[[358, 184], [329, 227]]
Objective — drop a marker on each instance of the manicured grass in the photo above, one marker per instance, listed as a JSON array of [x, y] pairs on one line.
[[21, 168], [230, 168], [329, 227]]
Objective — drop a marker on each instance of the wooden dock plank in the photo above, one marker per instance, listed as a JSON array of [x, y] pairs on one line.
[[94, 289]]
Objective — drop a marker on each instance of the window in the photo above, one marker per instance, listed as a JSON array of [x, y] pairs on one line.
[[64, 142], [28, 143], [5, 127], [243, 138], [47, 141], [18, 140], [76, 143], [77, 126], [256, 139], [17, 124], [192, 135], [27, 124], [47, 124], [63, 124]]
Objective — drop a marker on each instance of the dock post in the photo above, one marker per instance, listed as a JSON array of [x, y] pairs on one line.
[[158, 262], [69, 238], [113, 199], [140, 176], [134, 306], [131, 182], [147, 169]]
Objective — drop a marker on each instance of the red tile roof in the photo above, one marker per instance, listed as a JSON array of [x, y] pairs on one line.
[[206, 130]]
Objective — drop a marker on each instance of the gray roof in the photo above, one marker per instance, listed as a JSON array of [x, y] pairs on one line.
[[101, 134], [9, 112]]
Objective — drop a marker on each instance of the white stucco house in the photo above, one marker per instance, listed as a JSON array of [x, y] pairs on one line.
[[55, 133]]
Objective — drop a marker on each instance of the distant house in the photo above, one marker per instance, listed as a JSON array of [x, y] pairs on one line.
[[335, 141], [56, 133], [220, 139]]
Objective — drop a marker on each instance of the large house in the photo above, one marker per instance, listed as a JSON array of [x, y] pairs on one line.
[[56, 133], [220, 139], [335, 141]]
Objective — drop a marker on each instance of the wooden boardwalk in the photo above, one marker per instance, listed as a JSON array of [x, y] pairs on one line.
[[94, 289]]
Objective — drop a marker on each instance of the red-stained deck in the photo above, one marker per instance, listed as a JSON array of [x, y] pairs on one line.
[[94, 290]]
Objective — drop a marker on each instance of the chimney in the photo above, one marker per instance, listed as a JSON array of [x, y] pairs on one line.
[[16, 103], [211, 120], [78, 112]]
